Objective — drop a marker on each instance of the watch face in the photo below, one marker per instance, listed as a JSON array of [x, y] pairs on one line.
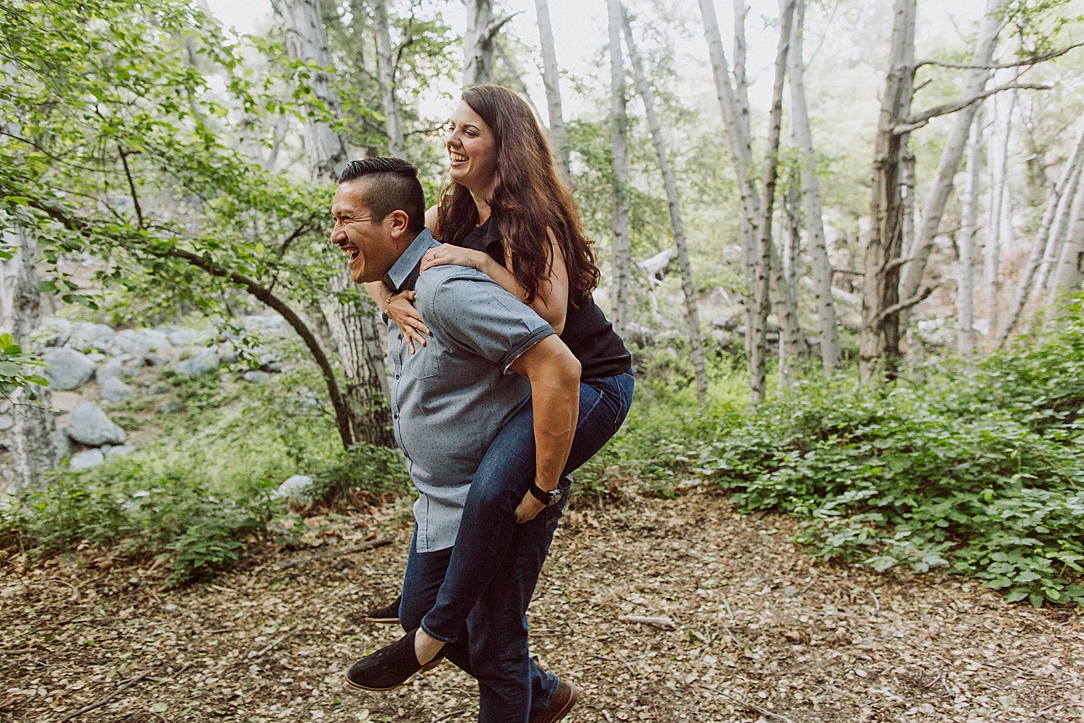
[[556, 496]]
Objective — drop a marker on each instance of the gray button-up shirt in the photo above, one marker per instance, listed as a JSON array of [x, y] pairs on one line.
[[452, 396]]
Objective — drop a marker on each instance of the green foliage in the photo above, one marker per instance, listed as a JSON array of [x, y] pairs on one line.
[[142, 511], [373, 469], [978, 471], [13, 363]]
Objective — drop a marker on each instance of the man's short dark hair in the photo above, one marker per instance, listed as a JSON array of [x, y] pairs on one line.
[[393, 186]]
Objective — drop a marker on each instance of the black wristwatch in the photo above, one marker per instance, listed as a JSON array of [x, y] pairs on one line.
[[548, 498]]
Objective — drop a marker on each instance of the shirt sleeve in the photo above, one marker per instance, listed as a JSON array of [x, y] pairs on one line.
[[474, 312]]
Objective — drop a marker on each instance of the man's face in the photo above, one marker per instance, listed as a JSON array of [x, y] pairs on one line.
[[370, 245]]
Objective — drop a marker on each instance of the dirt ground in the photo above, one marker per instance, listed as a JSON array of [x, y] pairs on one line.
[[762, 632]]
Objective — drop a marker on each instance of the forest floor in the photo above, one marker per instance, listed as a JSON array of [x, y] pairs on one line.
[[763, 632]]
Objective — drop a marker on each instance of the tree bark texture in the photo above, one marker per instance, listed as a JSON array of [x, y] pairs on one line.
[[965, 288], [620, 160], [688, 288], [478, 42], [305, 40], [35, 448], [551, 79], [811, 192], [1052, 252], [940, 189], [879, 346], [998, 151], [769, 264], [353, 325], [1050, 228], [1067, 275], [385, 65]]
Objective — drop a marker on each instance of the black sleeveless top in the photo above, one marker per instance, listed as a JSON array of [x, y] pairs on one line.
[[588, 334]]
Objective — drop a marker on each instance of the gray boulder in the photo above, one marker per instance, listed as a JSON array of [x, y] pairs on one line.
[[87, 459], [6, 422], [155, 360], [153, 338], [110, 370], [89, 425], [202, 363], [255, 376], [63, 444], [92, 336], [119, 451], [159, 388], [183, 337], [68, 370], [131, 342], [54, 331], [114, 390], [295, 490]]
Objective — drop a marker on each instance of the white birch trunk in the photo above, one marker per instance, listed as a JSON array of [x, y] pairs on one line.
[[965, 289], [619, 141], [35, 448], [1067, 275], [1049, 231], [941, 187], [353, 326], [385, 66], [814, 216], [688, 288], [551, 78], [478, 43], [998, 151], [1052, 252]]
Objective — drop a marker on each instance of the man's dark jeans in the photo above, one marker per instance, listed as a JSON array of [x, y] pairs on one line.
[[492, 646], [488, 535]]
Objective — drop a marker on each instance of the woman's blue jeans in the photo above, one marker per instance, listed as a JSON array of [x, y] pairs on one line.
[[488, 526]]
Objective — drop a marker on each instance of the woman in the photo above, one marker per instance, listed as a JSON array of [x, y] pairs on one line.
[[507, 214]]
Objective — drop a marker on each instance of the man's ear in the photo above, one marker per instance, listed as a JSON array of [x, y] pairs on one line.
[[398, 223]]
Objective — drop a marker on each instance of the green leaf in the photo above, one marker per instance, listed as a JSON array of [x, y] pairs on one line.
[[10, 369]]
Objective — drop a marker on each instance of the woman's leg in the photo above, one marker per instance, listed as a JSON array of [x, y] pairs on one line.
[[502, 479]]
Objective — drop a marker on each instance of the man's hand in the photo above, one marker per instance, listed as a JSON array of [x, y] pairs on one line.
[[528, 508]]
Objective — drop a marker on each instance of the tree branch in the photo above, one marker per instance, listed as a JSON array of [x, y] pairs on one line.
[[131, 184], [913, 301], [495, 26], [1001, 66], [920, 119]]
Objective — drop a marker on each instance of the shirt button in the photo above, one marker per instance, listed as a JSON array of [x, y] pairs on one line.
[[396, 376], [395, 416], [400, 337]]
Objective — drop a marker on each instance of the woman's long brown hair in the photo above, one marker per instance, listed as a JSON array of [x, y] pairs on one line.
[[527, 198]]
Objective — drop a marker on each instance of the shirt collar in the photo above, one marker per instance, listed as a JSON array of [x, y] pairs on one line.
[[404, 273]]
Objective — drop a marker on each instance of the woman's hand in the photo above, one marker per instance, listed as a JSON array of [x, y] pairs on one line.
[[528, 508], [402, 311], [449, 255]]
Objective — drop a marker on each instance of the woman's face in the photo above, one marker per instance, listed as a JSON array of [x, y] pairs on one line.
[[472, 149]]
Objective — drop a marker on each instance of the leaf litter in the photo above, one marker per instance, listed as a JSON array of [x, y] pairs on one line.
[[761, 631]]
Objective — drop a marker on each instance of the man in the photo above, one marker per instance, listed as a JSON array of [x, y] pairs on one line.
[[449, 400]]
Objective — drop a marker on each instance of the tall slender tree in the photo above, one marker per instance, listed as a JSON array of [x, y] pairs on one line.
[[385, 64], [353, 323], [551, 79], [879, 345], [965, 289], [1068, 273], [688, 287], [620, 162], [811, 193]]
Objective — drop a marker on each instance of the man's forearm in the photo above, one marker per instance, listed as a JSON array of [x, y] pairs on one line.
[[555, 392]]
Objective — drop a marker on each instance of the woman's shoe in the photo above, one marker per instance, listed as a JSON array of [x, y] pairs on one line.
[[389, 614], [391, 666]]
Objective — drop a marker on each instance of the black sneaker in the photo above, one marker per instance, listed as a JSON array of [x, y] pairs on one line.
[[390, 666], [388, 615]]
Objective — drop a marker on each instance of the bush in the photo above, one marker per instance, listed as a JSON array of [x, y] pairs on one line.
[[981, 470]]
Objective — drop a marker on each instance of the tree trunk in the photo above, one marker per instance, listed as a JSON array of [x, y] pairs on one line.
[[998, 151], [478, 43], [353, 324], [1049, 229], [879, 347], [385, 65], [818, 249], [937, 197], [20, 310], [965, 289], [551, 78], [769, 265], [1070, 268], [1052, 252], [692, 316], [619, 141]]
